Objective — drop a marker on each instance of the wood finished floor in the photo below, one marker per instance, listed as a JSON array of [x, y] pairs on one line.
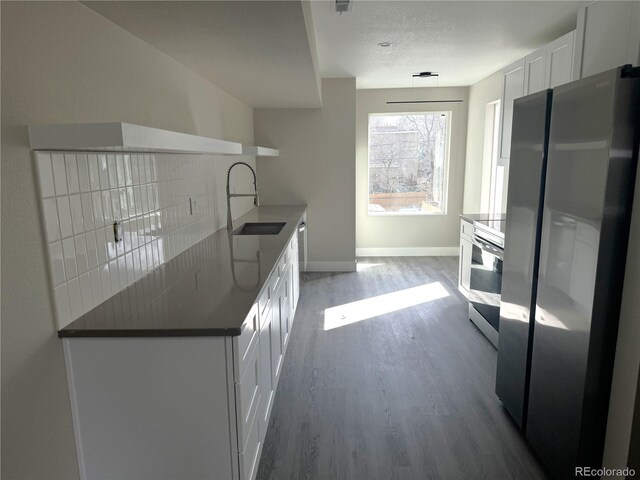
[[404, 395]]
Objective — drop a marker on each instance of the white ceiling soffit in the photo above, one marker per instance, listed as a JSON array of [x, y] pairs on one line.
[[463, 41], [258, 51]]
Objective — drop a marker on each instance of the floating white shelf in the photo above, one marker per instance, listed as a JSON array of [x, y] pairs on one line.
[[260, 151], [125, 137]]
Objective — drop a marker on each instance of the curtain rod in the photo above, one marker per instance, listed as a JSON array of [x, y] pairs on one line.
[[427, 101]]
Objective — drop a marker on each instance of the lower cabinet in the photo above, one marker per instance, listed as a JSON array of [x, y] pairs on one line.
[[276, 341], [466, 250], [182, 407], [266, 375]]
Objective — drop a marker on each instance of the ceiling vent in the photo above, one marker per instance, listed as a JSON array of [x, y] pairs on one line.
[[344, 6]]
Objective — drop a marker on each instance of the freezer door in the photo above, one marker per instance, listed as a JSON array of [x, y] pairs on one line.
[[588, 194], [531, 117]]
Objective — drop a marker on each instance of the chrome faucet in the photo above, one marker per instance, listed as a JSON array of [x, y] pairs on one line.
[[256, 200]]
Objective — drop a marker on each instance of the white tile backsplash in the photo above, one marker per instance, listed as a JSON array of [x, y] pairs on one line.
[[64, 216], [47, 188], [83, 194], [59, 174], [94, 172], [57, 263], [71, 166], [50, 212], [61, 299], [83, 172]]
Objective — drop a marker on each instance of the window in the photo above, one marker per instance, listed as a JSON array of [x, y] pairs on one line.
[[408, 163], [494, 179]]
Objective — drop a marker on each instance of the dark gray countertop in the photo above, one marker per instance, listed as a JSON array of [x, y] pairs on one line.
[[197, 293]]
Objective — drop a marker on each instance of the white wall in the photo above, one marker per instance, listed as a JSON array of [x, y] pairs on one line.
[[315, 167], [410, 235], [62, 63], [477, 170]]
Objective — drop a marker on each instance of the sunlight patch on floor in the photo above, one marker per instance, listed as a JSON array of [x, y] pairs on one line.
[[360, 266], [353, 312]]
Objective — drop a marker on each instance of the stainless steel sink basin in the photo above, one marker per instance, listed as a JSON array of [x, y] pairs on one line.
[[262, 228]]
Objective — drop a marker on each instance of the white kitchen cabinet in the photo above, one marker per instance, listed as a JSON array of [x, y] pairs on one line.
[[512, 88], [546, 67], [607, 36], [549, 66], [466, 248], [267, 385], [285, 309], [248, 400], [295, 284], [190, 407], [276, 339], [559, 69], [535, 71]]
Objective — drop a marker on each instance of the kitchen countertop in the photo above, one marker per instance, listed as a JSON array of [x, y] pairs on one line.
[[482, 217], [198, 292]]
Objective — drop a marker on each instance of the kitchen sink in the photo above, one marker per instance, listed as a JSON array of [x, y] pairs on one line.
[[261, 228]]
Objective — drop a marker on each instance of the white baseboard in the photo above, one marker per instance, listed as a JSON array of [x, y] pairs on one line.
[[408, 252], [331, 266]]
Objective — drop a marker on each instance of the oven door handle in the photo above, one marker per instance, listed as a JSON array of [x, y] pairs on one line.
[[486, 246]]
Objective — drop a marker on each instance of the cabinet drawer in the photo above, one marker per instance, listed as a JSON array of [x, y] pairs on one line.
[[264, 301], [250, 457], [282, 265], [466, 228], [278, 271], [248, 398], [245, 342]]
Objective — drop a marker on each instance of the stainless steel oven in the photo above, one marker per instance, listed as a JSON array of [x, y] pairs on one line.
[[486, 277]]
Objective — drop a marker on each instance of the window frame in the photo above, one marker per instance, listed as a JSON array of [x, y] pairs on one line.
[[447, 160]]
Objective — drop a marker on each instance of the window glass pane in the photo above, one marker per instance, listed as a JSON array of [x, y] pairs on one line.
[[408, 162]]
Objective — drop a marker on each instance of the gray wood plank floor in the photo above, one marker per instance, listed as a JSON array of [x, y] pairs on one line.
[[404, 395]]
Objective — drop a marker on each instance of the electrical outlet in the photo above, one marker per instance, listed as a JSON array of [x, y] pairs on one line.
[[117, 231]]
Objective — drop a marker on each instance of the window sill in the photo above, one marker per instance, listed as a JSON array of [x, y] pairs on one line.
[[406, 214]]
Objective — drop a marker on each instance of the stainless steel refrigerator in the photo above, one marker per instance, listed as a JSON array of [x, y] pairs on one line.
[[525, 195], [563, 344]]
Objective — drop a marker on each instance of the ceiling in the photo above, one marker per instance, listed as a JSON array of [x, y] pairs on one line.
[[258, 51], [272, 54], [462, 41]]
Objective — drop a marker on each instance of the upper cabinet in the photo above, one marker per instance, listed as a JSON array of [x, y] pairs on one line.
[[547, 67], [560, 55], [512, 88], [535, 70], [607, 36]]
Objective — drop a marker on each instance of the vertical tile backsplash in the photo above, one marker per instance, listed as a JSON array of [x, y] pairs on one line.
[[84, 194]]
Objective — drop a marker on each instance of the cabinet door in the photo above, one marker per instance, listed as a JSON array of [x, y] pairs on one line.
[[607, 36], [295, 265], [285, 308], [464, 272], [266, 379], [560, 60], [292, 301], [535, 71], [512, 88], [276, 338]]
